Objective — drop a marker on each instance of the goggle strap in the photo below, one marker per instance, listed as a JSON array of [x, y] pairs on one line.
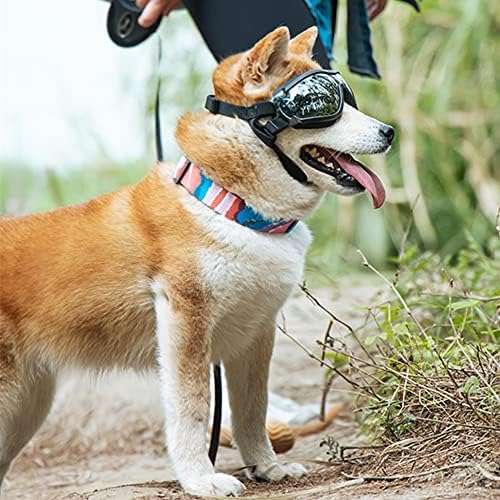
[[244, 112], [268, 131], [277, 125], [290, 166], [266, 135]]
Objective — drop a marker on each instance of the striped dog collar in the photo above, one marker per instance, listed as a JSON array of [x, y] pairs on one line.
[[225, 203]]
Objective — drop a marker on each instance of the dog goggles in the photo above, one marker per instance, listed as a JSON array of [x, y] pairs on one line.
[[311, 100], [314, 99]]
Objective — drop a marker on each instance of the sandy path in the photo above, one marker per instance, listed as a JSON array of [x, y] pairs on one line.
[[103, 439]]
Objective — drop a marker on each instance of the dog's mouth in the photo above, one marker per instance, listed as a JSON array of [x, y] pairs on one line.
[[345, 169]]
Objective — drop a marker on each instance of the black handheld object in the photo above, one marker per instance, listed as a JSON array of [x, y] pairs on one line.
[[122, 24]]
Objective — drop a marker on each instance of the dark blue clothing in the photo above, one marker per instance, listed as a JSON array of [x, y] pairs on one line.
[[323, 13], [359, 48]]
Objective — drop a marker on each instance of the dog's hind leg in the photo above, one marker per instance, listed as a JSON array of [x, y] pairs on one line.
[[247, 376], [25, 399]]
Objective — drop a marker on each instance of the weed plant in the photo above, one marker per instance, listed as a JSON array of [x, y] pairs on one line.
[[425, 365]]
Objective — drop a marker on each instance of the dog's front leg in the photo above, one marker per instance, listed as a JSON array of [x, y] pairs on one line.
[[184, 355], [247, 377]]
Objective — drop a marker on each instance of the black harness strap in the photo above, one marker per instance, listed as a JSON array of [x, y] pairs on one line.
[[214, 439]]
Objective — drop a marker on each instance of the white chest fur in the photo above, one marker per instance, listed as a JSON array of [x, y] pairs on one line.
[[249, 274]]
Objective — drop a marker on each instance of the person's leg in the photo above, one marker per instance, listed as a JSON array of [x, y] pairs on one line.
[[229, 27]]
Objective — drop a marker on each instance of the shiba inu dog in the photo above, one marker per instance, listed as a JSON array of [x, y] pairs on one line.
[[189, 266]]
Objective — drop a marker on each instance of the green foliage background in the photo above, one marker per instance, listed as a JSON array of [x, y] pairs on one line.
[[440, 89]]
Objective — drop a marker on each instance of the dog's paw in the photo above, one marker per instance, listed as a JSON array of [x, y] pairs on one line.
[[214, 484], [276, 471]]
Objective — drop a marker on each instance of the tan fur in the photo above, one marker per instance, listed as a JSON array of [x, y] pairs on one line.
[[75, 281], [75, 290], [147, 277], [303, 43], [254, 75]]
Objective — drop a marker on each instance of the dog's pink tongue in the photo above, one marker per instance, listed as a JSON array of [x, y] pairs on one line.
[[365, 177]]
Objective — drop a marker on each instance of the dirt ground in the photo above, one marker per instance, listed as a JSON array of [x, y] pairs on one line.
[[103, 438]]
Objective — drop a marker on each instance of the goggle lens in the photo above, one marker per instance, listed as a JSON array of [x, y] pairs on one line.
[[318, 96]]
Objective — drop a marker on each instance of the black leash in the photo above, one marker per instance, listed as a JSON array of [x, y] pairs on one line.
[[214, 439], [159, 147], [123, 28]]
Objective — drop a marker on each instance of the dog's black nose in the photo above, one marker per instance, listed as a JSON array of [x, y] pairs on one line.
[[387, 132]]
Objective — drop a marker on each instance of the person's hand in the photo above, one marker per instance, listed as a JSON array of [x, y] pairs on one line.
[[375, 7], [153, 9]]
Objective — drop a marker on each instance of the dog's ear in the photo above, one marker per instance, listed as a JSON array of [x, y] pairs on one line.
[[303, 43], [267, 58]]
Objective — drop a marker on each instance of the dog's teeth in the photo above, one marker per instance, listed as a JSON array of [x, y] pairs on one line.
[[312, 152]]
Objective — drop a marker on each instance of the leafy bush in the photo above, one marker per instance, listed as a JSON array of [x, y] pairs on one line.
[[425, 366], [437, 346]]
